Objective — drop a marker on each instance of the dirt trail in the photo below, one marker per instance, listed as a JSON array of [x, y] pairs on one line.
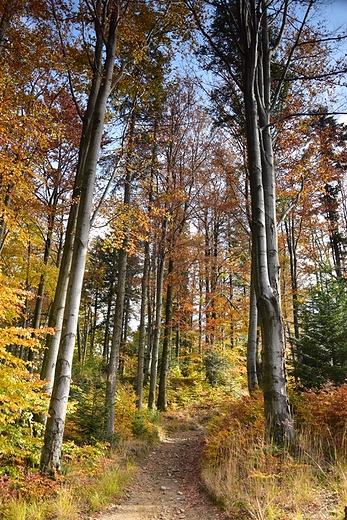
[[167, 485]]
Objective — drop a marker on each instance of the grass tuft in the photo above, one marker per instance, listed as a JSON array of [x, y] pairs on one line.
[[254, 480]]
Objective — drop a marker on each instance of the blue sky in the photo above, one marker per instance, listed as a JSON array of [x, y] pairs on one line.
[[336, 12]]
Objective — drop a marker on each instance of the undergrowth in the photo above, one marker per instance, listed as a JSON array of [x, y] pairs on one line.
[[249, 478], [95, 473], [255, 480]]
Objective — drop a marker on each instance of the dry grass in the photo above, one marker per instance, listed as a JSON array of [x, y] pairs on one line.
[[255, 481], [83, 491]]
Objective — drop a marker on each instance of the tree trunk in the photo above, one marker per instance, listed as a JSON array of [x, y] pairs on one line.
[[142, 329], [291, 244], [3, 230], [41, 287], [165, 358], [252, 342], [115, 345], [265, 266], [119, 310], [157, 329], [51, 452], [56, 314], [149, 349], [105, 352]]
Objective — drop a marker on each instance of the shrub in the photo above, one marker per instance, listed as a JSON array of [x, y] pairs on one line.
[[324, 412], [21, 397], [254, 479], [242, 418]]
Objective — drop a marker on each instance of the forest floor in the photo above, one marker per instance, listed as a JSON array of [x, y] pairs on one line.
[[167, 484]]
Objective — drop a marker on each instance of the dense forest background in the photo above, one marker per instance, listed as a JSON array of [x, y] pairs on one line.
[[144, 259]]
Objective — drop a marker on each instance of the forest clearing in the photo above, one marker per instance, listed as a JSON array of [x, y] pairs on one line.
[[173, 249]]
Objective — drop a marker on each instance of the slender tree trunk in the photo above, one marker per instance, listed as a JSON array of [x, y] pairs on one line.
[[291, 244], [86, 330], [3, 230], [105, 353], [178, 342], [208, 290], [150, 310], [278, 420], [157, 330], [93, 331], [165, 358], [115, 345], [200, 313], [56, 314], [142, 328], [119, 310], [252, 342], [46, 255], [51, 452], [57, 310], [79, 344]]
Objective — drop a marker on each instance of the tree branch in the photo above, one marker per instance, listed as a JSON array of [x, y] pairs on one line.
[[302, 114]]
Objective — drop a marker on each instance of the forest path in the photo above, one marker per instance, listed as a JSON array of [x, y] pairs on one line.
[[167, 485]]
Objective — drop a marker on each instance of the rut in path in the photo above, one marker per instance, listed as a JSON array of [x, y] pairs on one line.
[[168, 486]]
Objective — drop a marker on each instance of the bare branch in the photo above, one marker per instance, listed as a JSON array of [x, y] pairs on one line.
[[293, 204], [291, 54], [69, 75], [302, 114], [216, 50]]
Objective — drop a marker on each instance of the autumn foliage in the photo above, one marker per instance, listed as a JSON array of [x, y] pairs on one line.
[[324, 413], [172, 196]]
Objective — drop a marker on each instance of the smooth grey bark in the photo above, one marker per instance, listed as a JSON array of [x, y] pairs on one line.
[[56, 315], [58, 306], [252, 342], [254, 34], [248, 69], [55, 320], [102, 79]]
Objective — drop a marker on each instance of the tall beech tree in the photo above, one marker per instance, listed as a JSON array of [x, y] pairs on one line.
[[244, 45], [106, 17]]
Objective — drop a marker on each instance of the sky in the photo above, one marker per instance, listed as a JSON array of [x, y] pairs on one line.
[[335, 12]]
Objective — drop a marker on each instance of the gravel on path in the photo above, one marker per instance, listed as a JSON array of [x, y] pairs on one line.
[[167, 486]]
